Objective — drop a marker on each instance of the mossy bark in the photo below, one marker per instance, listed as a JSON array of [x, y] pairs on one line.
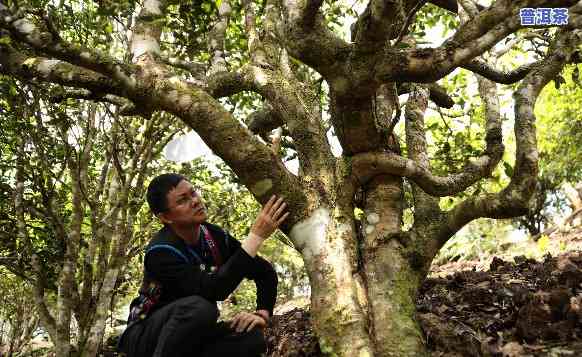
[[363, 301]]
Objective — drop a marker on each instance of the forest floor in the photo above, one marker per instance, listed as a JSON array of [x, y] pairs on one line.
[[513, 307]]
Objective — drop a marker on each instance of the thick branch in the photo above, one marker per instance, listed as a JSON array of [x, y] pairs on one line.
[[146, 32], [299, 111], [225, 84], [310, 11], [303, 12], [264, 120], [367, 165], [417, 168], [311, 41], [43, 41], [514, 199], [54, 71], [381, 21], [426, 208], [290, 103], [256, 165]]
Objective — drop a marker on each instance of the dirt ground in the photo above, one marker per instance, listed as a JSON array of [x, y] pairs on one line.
[[522, 307]]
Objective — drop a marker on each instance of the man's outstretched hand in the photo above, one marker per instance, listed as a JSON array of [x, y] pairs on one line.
[[270, 217], [245, 322]]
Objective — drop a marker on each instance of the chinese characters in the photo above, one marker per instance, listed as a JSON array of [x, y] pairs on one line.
[[543, 16]]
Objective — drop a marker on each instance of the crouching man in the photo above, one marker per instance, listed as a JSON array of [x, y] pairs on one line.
[[188, 266]]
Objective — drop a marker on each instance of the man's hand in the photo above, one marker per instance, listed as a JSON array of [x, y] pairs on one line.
[[244, 321], [270, 218]]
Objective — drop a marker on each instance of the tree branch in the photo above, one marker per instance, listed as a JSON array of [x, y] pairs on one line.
[[256, 51], [450, 5], [54, 71], [481, 67], [426, 208], [264, 120], [382, 21], [126, 107], [308, 38], [367, 165], [289, 102], [310, 11], [196, 69], [146, 32], [225, 84], [44, 41], [471, 40], [385, 105], [418, 170], [509, 45], [216, 39], [514, 199], [257, 166], [299, 111]]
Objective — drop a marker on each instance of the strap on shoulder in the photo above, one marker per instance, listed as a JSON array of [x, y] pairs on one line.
[[170, 248]]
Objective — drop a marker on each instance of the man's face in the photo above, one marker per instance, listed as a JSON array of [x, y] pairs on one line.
[[185, 206]]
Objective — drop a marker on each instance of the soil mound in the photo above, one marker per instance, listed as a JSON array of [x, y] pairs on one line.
[[520, 308]]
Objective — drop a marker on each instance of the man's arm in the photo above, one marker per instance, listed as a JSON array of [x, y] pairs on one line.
[[187, 279], [182, 279], [265, 278]]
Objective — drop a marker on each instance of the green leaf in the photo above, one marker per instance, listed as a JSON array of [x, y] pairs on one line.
[[109, 27], [543, 243]]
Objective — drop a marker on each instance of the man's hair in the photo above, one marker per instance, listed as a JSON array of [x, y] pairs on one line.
[[158, 190]]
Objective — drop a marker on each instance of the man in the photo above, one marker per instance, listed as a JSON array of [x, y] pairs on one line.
[[188, 266]]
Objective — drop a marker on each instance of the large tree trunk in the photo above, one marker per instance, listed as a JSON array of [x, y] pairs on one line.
[[363, 283], [362, 302], [328, 249], [391, 281]]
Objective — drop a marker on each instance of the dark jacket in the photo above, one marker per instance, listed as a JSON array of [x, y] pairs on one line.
[[180, 278]]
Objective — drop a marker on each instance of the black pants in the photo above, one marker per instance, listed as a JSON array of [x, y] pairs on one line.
[[188, 328]]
